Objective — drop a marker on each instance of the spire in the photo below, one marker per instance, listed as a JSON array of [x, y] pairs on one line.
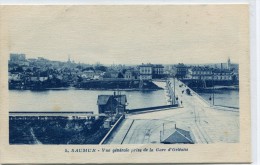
[[228, 63], [69, 59]]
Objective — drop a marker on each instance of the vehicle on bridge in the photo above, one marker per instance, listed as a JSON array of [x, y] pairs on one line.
[[188, 92]]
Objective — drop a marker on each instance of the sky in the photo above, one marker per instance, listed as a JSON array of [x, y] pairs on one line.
[[134, 34]]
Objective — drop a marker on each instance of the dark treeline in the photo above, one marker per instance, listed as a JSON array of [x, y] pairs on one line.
[[58, 131]]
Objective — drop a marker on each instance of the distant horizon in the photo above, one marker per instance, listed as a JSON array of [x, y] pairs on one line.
[[128, 64], [52, 58]]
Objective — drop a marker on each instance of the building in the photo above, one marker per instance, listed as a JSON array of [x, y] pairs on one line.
[[222, 74], [34, 78], [179, 136], [14, 77], [111, 104], [17, 57], [145, 71], [200, 73], [181, 70], [158, 71], [111, 74], [42, 78], [207, 73], [88, 74], [129, 75]]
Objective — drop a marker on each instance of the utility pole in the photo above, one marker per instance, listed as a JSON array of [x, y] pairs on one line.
[[194, 114], [160, 136], [213, 90], [163, 128], [174, 89]]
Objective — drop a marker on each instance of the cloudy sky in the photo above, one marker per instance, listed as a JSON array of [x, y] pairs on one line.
[[130, 34]]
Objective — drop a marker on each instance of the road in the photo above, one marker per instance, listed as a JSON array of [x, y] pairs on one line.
[[206, 123]]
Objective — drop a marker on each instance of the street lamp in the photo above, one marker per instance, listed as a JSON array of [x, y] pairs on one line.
[[213, 89]]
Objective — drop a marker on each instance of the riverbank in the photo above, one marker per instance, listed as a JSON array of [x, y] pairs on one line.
[[216, 89], [193, 83], [234, 87], [128, 85], [118, 84]]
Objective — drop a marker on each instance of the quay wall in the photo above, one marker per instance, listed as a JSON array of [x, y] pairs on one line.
[[208, 83]]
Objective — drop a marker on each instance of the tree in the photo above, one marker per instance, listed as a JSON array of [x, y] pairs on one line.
[[19, 69], [120, 75], [28, 70], [101, 68], [88, 68]]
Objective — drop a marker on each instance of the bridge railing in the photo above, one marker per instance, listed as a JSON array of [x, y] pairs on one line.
[[150, 108], [171, 92]]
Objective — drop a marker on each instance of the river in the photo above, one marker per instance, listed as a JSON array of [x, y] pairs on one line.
[[86, 100], [77, 100], [222, 97]]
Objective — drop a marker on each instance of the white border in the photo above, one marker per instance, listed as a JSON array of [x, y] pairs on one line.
[[256, 119], [255, 77], [254, 45], [119, 2]]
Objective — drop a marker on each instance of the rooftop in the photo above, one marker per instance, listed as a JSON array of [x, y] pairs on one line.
[[199, 68], [179, 136], [146, 65], [103, 99]]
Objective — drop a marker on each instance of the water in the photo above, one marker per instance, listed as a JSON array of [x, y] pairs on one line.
[[77, 100], [223, 97], [86, 100]]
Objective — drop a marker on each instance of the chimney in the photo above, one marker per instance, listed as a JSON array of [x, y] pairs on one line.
[[175, 126]]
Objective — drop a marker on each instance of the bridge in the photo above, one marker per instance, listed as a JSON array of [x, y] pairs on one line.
[[207, 123]]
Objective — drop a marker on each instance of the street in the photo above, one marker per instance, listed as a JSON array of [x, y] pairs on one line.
[[205, 123]]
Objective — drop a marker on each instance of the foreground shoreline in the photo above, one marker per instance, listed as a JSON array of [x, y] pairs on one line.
[[136, 85]]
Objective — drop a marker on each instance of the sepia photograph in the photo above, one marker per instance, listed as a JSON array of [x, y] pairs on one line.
[[166, 75]]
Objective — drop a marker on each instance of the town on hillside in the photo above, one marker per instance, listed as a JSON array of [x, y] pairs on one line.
[[41, 73], [175, 119]]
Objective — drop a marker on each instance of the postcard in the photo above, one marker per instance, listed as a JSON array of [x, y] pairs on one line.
[[125, 84]]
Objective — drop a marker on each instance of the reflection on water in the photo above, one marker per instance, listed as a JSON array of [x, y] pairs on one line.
[[77, 100], [223, 97]]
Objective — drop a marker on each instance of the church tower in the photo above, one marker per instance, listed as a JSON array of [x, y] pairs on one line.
[[228, 64]]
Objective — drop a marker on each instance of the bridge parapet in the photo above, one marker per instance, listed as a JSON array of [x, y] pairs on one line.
[[151, 108]]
